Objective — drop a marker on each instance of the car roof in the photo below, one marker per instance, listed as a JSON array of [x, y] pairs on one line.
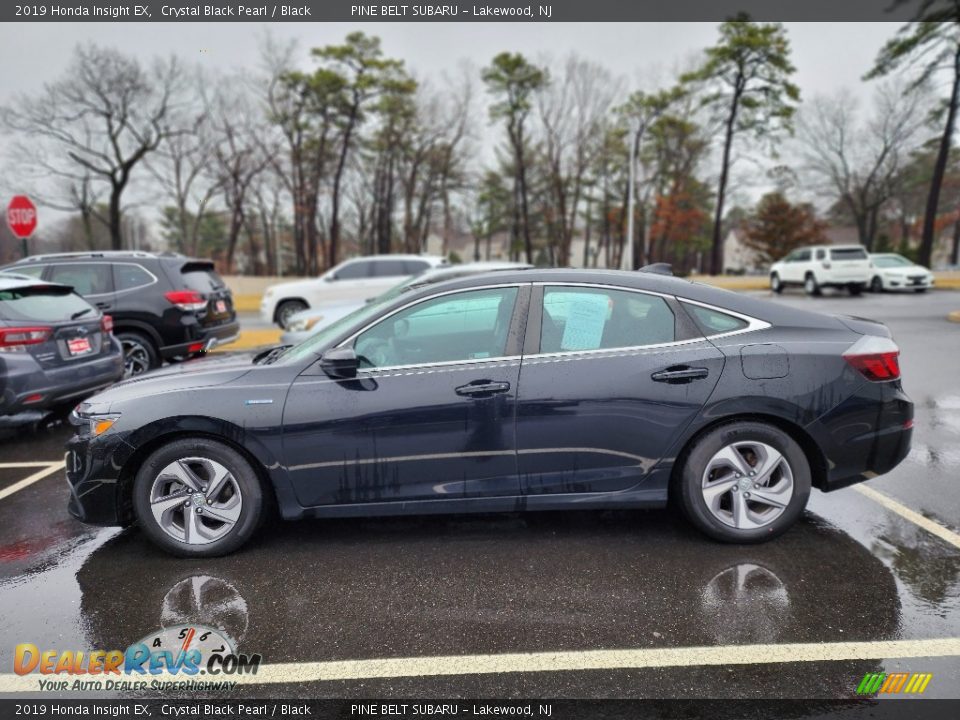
[[98, 255], [682, 288]]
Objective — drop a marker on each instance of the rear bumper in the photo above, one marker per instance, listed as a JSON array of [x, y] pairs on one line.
[[22, 378], [207, 338], [866, 435]]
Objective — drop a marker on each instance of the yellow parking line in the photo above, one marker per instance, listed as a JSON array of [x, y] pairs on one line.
[[567, 661], [916, 518], [30, 479]]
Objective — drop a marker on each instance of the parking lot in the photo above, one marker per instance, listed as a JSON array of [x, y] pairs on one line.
[[566, 604]]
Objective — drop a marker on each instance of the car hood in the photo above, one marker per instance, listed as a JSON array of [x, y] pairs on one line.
[[909, 270], [205, 372], [293, 287]]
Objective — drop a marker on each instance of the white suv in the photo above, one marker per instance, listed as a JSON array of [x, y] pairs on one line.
[[357, 279], [820, 266]]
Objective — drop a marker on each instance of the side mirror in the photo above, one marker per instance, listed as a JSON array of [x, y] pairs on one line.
[[340, 362]]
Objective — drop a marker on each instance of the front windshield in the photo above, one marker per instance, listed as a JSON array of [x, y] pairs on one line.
[[889, 261]]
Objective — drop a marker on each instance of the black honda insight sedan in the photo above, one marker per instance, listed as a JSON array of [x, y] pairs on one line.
[[526, 390]]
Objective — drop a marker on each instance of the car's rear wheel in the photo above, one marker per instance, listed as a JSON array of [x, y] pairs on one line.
[[197, 498], [776, 285], [139, 354], [810, 285], [876, 285], [744, 482], [287, 309]]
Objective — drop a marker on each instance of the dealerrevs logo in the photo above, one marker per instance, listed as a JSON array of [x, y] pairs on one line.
[[182, 650]]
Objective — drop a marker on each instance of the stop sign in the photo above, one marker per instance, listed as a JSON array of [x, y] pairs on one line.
[[22, 216]]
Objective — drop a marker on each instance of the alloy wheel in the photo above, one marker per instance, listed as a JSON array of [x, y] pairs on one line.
[[747, 485], [136, 357], [196, 500]]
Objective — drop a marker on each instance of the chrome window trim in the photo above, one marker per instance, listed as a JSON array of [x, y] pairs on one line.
[[753, 323], [412, 303]]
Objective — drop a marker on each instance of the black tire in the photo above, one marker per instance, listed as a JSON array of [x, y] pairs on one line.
[[920, 290], [855, 289], [139, 353], [810, 285], [288, 308], [690, 476], [776, 285], [251, 494], [876, 285]]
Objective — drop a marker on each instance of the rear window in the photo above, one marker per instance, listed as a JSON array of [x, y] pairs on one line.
[[42, 304], [714, 322], [201, 277], [848, 254]]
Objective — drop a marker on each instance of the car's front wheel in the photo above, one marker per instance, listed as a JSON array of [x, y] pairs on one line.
[[776, 284], [287, 309], [744, 482], [197, 498]]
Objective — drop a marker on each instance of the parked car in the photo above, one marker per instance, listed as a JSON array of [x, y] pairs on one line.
[[309, 322], [55, 348], [164, 306], [895, 272], [358, 279], [820, 266], [529, 390]]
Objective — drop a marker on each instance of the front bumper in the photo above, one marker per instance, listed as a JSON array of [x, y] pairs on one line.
[[866, 435], [93, 470], [22, 378]]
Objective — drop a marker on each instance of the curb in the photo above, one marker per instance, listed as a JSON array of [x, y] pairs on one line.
[[954, 316]]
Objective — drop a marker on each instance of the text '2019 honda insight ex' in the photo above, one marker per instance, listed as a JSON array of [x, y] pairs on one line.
[[512, 391]]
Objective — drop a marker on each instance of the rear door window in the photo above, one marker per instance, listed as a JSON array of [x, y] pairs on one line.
[[390, 268], [412, 267], [85, 278], [848, 254], [576, 319], [42, 304]]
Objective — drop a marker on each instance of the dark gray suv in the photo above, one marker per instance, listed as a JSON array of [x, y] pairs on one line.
[[164, 306], [55, 347]]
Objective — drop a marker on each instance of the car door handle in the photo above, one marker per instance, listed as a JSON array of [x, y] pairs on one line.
[[482, 388], [103, 305], [679, 375]]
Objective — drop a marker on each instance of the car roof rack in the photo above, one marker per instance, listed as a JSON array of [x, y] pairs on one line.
[[660, 268], [87, 254]]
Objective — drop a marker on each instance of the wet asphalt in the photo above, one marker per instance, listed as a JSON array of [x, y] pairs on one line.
[[851, 570]]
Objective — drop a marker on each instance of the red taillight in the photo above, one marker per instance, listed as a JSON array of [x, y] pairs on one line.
[[877, 358], [106, 324], [195, 347], [18, 337], [186, 300]]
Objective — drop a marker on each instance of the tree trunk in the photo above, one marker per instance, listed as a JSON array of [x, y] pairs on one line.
[[716, 249], [939, 169], [116, 234], [955, 252], [333, 245]]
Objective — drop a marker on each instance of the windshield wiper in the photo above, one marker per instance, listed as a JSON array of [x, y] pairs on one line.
[[268, 356], [80, 313]]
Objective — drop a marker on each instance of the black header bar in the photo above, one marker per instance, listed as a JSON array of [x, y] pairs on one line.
[[494, 11]]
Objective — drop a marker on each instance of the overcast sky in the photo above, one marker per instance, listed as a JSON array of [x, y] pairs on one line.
[[828, 56]]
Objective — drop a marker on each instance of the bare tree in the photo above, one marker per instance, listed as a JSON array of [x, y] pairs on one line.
[[571, 110], [859, 161], [106, 114]]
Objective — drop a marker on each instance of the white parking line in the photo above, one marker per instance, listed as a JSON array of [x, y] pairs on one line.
[[566, 661], [913, 516], [25, 464], [48, 469]]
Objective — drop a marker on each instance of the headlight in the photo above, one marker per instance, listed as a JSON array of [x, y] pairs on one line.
[[97, 420]]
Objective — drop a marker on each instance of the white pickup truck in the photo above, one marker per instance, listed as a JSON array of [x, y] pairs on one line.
[[820, 266]]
